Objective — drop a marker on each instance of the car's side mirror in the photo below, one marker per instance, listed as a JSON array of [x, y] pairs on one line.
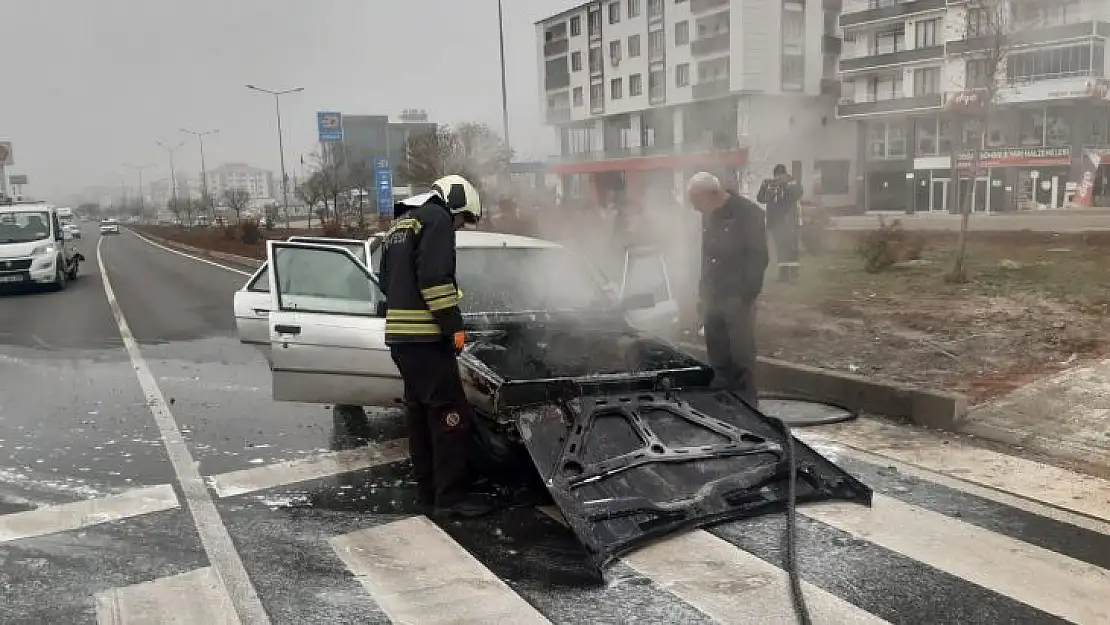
[[638, 301]]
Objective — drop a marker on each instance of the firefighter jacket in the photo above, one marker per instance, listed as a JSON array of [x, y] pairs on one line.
[[418, 275], [781, 196]]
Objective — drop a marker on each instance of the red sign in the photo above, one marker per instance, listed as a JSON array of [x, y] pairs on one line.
[[965, 100], [1016, 157]]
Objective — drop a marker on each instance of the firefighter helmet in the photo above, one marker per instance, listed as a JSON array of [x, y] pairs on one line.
[[460, 197]]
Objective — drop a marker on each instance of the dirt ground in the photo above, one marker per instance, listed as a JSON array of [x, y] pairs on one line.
[[1036, 303]]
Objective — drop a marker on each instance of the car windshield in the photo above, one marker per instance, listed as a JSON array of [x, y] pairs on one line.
[[24, 226], [518, 279]]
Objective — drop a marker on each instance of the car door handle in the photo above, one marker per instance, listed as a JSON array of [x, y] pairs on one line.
[[262, 312], [283, 329]]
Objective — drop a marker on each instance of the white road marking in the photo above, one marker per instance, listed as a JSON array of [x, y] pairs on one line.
[[419, 574], [213, 534], [190, 256], [71, 516], [728, 584], [1063, 586], [302, 470], [193, 598], [1068, 490]]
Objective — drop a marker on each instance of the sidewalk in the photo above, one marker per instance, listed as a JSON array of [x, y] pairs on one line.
[[1087, 220]]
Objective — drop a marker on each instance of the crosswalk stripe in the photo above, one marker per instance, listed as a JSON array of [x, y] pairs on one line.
[[194, 598], [419, 574], [323, 465], [1037, 577], [87, 512], [1051, 485]]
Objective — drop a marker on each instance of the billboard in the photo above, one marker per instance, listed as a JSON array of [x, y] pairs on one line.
[[18, 179], [329, 125], [6, 154], [383, 182]]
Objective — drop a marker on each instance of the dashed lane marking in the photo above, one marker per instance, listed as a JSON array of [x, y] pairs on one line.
[[80, 514], [214, 536], [190, 256]]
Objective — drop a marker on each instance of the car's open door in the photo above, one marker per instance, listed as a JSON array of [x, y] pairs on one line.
[[252, 310], [327, 328], [645, 272]]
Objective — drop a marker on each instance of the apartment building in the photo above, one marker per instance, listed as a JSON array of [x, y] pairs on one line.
[[915, 78], [643, 93]]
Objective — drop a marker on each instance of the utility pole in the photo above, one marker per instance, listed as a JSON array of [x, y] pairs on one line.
[[281, 140], [173, 171], [203, 170], [142, 196], [504, 89]]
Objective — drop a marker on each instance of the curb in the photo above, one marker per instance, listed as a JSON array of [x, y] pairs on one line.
[[232, 259], [924, 407]]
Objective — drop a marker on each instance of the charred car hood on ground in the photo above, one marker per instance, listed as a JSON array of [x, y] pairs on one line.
[[627, 434]]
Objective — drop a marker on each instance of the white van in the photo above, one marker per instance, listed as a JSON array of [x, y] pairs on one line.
[[34, 247]]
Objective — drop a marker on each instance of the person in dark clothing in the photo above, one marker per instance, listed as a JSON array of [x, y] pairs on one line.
[[734, 260], [781, 195], [424, 331]]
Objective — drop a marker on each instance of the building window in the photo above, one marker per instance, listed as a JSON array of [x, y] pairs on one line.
[[978, 22], [926, 33], [1057, 130], [793, 22], [926, 81], [555, 33], [977, 74], [886, 140], [928, 143], [793, 73], [657, 85], [656, 44], [576, 61], [712, 71], [633, 8], [682, 33], [595, 60], [835, 176], [597, 98], [614, 12], [888, 87], [890, 41], [633, 46], [1076, 60], [615, 52], [682, 75], [575, 26], [635, 85], [594, 24], [577, 96], [616, 89], [655, 8]]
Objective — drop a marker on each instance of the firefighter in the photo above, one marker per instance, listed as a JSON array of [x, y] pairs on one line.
[[781, 195], [424, 331], [734, 259]]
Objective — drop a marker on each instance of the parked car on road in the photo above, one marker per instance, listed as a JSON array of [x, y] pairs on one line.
[[109, 226], [34, 247]]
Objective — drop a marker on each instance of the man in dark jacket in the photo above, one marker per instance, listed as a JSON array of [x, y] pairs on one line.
[[734, 259], [424, 331], [781, 195]]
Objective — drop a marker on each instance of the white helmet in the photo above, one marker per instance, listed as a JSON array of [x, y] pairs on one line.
[[460, 197]]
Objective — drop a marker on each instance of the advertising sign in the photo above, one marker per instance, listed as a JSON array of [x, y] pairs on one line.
[[18, 179], [383, 181], [965, 101], [329, 126], [1017, 157], [6, 154]]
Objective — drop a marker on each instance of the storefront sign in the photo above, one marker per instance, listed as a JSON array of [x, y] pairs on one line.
[[970, 100], [1016, 157]]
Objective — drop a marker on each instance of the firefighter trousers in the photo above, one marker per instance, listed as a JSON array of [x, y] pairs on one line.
[[785, 236], [438, 418], [730, 343]]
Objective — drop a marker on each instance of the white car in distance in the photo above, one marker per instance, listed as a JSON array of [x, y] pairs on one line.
[[323, 327]]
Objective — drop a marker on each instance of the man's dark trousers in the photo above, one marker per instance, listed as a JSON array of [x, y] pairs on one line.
[[730, 343], [785, 234], [439, 419]]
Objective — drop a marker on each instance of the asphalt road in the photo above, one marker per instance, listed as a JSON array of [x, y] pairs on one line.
[[152, 475]]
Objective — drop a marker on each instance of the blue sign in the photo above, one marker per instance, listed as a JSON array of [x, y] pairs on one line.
[[329, 126], [383, 181]]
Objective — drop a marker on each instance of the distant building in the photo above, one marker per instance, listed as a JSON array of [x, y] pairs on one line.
[[258, 182]]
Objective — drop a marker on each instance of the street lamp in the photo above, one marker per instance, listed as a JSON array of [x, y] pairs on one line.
[[173, 171], [139, 169], [504, 90], [281, 141], [203, 170]]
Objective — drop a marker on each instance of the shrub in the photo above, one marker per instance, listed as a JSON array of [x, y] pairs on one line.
[[231, 233], [888, 245], [332, 229], [250, 232]]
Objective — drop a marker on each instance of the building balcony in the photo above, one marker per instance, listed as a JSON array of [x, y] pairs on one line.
[[657, 157], [709, 45], [704, 6], [557, 47], [861, 12], [831, 44], [897, 105], [552, 82], [710, 89], [1032, 34], [558, 115], [875, 61]]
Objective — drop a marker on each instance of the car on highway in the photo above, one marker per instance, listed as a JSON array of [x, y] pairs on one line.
[[109, 226], [34, 247], [571, 386], [69, 224]]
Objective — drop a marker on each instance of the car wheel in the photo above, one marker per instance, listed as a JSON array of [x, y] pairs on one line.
[[60, 281]]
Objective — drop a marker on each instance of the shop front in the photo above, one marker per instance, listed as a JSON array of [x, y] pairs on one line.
[[1015, 179]]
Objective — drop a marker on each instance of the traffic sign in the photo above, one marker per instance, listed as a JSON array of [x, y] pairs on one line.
[[329, 125], [6, 154], [383, 181], [18, 179]]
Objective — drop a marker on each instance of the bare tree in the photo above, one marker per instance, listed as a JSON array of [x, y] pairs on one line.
[[988, 29], [470, 149], [175, 208], [311, 192], [360, 179], [237, 200]]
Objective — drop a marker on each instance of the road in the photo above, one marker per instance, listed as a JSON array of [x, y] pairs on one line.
[[145, 473]]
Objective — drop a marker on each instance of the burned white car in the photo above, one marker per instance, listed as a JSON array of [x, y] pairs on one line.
[[566, 373]]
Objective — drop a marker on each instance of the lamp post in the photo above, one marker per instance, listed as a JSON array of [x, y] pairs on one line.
[[281, 141], [173, 172], [142, 196], [203, 170], [504, 90]]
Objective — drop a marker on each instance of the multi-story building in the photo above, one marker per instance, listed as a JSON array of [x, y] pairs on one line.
[[1009, 92], [258, 182], [643, 93]]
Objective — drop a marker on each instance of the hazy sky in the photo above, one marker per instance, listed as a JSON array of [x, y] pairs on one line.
[[89, 85]]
